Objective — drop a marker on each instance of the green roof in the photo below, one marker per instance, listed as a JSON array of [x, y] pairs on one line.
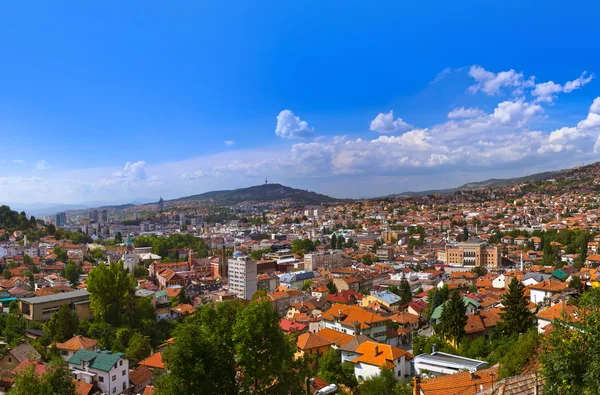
[[438, 310], [103, 360], [560, 274]]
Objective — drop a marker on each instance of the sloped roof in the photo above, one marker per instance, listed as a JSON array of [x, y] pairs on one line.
[[103, 360], [517, 385], [378, 354], [308, 341], [77, 343], [140, 374], [153, 361], [463, 383]]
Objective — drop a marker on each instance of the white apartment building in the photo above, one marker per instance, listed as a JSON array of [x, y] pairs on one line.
[[107, 370], [242, 277]]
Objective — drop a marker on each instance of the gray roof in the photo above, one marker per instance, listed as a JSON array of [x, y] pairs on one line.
[[539, 277], [450, 360], [25, 350], [353, 344], [56, 297]]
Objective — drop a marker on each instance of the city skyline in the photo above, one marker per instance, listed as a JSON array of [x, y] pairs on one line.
[[351, 103]]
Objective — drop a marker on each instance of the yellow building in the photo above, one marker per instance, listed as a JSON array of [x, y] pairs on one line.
[[310, 344], [474, 252]]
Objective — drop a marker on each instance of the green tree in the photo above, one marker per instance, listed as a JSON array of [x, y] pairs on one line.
[[405, 292], [333, 241], [139, 348], [62, 325], [27, 260], [436, 297], [202, 359], [465, 235], [340, 242], [332, 371], [306, 284], [513, 362], [453, 318], [57, 380], [570, 360], [111, 288], [384, 383], [51, 229], [71, 273], [119, 237], [332, 287], [6, 274], [264, 354], [61, 254], [515, 316]]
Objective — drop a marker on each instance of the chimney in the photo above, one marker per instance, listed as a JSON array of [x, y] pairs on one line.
[[433, 348], [356, 328], [376, 350]]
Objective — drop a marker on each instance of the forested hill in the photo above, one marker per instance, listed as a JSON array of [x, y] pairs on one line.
[[260, 194], [12, 220]]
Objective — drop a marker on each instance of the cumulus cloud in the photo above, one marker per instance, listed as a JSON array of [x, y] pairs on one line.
[[517, 112], [465, 113], [386, 124], [290, 126], [18, 161], [547, 91], [133, 171], [492, 83], [229, 142], [41, 165]]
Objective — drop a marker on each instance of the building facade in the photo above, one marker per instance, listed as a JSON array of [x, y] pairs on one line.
[[327, 259], [473, 253], [242, 277]]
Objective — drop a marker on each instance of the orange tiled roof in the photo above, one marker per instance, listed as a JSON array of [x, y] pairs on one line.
[[462, 383], [554, 312], [351, 314], [308, 341], [153, 361], [336, 337], [77, 343], [378, 354]]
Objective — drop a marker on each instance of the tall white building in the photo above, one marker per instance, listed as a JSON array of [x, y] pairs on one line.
[[110, 372], [242, 276]]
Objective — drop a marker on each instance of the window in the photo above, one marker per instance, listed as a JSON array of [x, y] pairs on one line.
[[101, 379], [123, 372], [114, 377], [124, 387], [64, 352], [114, 389], [120, 362]]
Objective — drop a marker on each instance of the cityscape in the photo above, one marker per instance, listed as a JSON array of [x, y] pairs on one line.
[[357, 198]]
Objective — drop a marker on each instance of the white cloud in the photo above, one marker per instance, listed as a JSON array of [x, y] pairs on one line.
[[41, 165], [518, 112], [290, 126], [194, 176], [465, 113], [133, 171], [491, 83], [386, 124], [547, 91], [18, 161], [229, 142], [441, 75]]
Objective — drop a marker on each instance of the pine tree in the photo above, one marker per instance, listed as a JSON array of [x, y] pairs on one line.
[[515, 316], [453, 318], [333, 241], [405, 291], [465, 235]]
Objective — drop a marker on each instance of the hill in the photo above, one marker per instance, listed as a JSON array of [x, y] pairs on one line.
[[585, 172], [258, 194]]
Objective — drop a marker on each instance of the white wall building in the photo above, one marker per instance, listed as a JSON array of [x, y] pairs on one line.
[[242, 277], [107, 370]]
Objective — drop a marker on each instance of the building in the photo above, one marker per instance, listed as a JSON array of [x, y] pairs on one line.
[[474, 252], [354, 320], [104, 216], [71, 346], [41, 308], [110, 372], [94, 215], [326, 259], [14, 356], [161, 205], [60, 219], [440, 363], [242, 277], [375, 356]]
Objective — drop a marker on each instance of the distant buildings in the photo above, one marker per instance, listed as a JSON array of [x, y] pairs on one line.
[[326, 259], [242, 277]]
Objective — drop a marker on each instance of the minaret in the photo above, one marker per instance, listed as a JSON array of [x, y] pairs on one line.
[[521, 261]]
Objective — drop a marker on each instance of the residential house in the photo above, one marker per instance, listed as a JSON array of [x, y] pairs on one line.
[[354, 319], [375, 356], [14, 356], [110, 372], [547, 316], [71, 346]]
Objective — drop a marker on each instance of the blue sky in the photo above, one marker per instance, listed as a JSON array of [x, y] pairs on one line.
[[121, 101]]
